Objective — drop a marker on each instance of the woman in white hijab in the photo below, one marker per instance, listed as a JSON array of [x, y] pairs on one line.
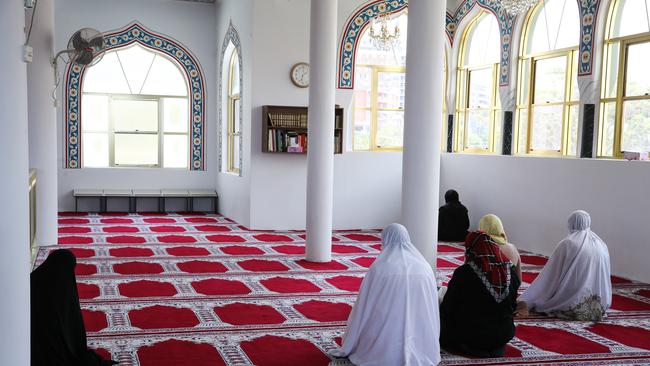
[[395, 320], [575, 283]]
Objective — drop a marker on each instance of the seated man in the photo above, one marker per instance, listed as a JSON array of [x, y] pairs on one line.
[[58, 335], [453, 221], [476, 314], [395, 319], [575, 283]]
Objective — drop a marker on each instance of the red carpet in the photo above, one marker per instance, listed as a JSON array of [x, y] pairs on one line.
[[195, 289]]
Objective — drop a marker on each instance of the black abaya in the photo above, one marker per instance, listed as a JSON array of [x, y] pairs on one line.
[[471, 321], [453, 222], [58, 335]]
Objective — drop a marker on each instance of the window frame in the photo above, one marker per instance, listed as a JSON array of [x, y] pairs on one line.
[[527, 77], [463, 86], [159, 98], [623, 43], [232, 133], [374, 107], [111, 130]]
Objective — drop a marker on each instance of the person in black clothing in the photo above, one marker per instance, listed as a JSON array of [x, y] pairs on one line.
[[58, 335], [453, 221], [476, 314]]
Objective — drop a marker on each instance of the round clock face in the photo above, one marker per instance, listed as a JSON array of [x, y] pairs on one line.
[[300, 74]]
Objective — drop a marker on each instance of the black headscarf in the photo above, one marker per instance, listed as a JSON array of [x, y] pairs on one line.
[[58, 335], [451, 196]]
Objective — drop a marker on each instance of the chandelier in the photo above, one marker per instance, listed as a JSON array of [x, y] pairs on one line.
[[383, 39], [514, 7]]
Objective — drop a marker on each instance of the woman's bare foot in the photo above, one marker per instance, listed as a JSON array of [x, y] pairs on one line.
[[522, 309]]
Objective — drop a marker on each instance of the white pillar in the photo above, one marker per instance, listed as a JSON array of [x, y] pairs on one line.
[[42, 123], [422, 124], [320, 158], [14, 226]]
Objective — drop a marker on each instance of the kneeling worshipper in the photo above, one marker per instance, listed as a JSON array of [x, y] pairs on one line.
[[453, 220], [395, 319], [476, 313], [58, 336], [575, 283], [491, 224]]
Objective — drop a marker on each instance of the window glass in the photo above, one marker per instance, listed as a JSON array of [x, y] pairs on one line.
[[390, 127], [362, 87], [550, 79], [390, 90], [136, 62], [481, 56], [95, 108], [630, 17], [573, 129], [379, 90], [484, 42], [368, 54], [555, 25], [611, 78], [128, 106], [549, 90], [234, 88], [95, 147], [637, 81], [362, 121], [478, 129], [165, 78], [547, 128], [636, 125], [607, 129], [175, 151], [481, 87], [132, 149], [106, 77], [523, 131], [175, 115], [135, 115]]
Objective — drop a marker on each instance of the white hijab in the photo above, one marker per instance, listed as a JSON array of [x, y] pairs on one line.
[[395, 320], [578, 268]]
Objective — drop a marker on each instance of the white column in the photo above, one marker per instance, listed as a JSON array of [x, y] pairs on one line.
[[422, 124], [42, 123], [320, 158], [14, 226]]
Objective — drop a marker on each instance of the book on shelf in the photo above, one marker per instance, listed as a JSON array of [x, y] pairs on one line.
[[285, 129], [286, 141], [288, 120]]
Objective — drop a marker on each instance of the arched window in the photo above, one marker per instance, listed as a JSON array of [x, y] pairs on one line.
[[379, 86], [478, 112], [233, 134], [135, 111], [625, 103], [548, 97]]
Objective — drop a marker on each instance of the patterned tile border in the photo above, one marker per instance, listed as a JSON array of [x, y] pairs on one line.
[[136, 33], [232, 36]]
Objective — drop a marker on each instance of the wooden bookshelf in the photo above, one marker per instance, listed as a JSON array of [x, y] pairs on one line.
[[284, 130]]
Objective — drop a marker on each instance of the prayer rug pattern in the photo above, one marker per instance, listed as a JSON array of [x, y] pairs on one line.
[[195, 289]]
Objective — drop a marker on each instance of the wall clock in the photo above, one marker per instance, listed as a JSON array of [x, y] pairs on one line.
[[300, 74]]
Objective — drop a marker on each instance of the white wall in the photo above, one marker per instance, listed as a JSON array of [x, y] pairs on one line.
[[191, 23], [234, 190], [534, 197], [42, 122], [14, 226], [367, 186]]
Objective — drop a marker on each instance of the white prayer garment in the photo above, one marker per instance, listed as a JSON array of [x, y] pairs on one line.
[[395, 320], [575, 283]]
